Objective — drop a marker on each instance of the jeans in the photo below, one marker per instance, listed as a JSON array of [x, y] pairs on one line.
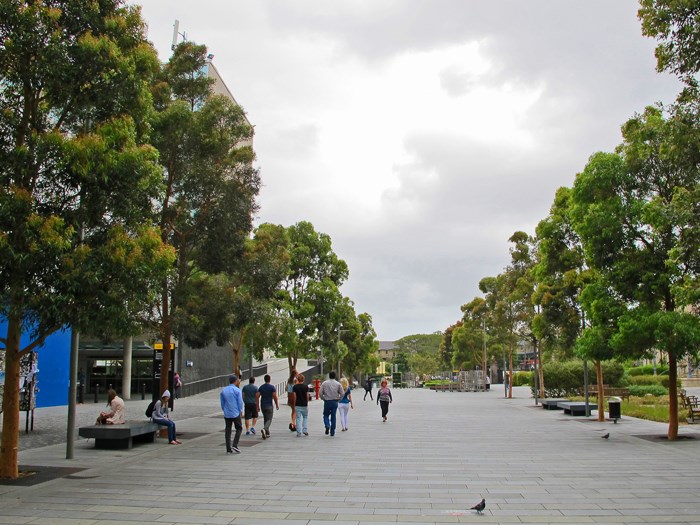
[[330, 406], [370, 394], [227, 434], [344, 410], [302, 420], [267, 413], [171, 427]]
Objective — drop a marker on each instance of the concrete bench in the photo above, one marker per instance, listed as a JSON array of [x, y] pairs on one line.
[[551, 403], [576, 408], [121, 436]]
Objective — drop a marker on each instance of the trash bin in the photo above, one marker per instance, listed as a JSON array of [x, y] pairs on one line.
[[614, 408]]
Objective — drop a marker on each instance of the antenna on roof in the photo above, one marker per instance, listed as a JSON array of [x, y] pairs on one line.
[[176, 33]]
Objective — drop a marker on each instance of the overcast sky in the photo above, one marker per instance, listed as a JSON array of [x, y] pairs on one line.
[[421, 134]]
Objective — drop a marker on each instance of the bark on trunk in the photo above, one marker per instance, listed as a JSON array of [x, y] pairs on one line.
[[10, 403], [672, 397], [540, 372], [167, 335], [510, 374], [601, 391]]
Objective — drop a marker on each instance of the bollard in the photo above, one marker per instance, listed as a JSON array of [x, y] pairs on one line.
[[143, 391], [97, 391], [80, 393]]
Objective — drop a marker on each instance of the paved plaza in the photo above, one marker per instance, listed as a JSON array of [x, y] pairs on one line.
[[438, 455]]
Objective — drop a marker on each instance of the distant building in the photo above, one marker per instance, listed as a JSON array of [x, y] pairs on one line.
[[220, 88], [387, 350]]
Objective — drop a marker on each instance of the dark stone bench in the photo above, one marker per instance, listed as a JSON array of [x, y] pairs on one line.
[[576, 408], [121, 436], [551, 403]]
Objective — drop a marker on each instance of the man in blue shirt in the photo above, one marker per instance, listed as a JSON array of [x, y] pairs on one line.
[[232, 405], [267, 394]]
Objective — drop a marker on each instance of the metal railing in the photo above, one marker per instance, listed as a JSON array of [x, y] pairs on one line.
[[203, 385], [192, 388]]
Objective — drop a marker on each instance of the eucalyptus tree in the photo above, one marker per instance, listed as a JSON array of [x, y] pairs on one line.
[[210, 184], [446, 349], [624, 209], [304, 315], [77, 179], [562, 274], [224, 307], [468, 339]]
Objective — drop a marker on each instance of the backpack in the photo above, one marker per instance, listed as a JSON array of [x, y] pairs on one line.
[[149, 409]]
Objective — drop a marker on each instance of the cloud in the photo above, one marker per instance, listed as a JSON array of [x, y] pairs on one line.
[[420, 135]]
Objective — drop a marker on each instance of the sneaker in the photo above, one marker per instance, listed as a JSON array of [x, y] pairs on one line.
[[268, 433], [306, 433], [236, 450], [298, 434], [229, 451], [252, 430], [328, 430], [247, 432], [262, 433]]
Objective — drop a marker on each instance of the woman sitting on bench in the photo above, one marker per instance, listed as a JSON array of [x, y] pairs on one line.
[[117, 412], [161, 417]]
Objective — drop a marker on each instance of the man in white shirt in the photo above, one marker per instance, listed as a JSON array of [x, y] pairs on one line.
[[331, 393]]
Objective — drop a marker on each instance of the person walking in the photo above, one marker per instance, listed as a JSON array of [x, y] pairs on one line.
[[301, 401], [177, 380], [250, 401], [266, 396], [331, 393], [368, 389], [345, 404], [384, 398], [290, 399], [161, 417], [232, 405]]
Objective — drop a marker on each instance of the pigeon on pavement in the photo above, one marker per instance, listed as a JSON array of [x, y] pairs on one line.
[[479, 507], [606, 436]]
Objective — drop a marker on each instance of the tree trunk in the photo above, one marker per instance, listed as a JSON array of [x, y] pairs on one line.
[[236, 345], [601, 391], [672, 397], [510, 372], [166, 332], [10, 403], [540, 372]]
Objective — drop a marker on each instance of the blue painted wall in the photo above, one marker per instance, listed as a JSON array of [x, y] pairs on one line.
[[54, 367]]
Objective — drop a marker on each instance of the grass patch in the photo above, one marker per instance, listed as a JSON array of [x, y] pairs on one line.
[[653, 408]]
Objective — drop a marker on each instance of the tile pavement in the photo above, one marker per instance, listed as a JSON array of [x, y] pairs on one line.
[[438, 455]]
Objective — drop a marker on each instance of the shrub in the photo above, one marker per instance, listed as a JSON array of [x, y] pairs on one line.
[[643, 390], [522, 378], [647, 370], [562, 379], [645, 380]]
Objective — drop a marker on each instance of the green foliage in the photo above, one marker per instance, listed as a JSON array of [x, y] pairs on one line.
[[566, 378], [645, 380], [674, 24], [643, 390], [645, 370], [523, 379], [424, 363], [419, 343]]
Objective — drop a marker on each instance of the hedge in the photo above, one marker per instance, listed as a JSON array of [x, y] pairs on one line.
[[563, 379]]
